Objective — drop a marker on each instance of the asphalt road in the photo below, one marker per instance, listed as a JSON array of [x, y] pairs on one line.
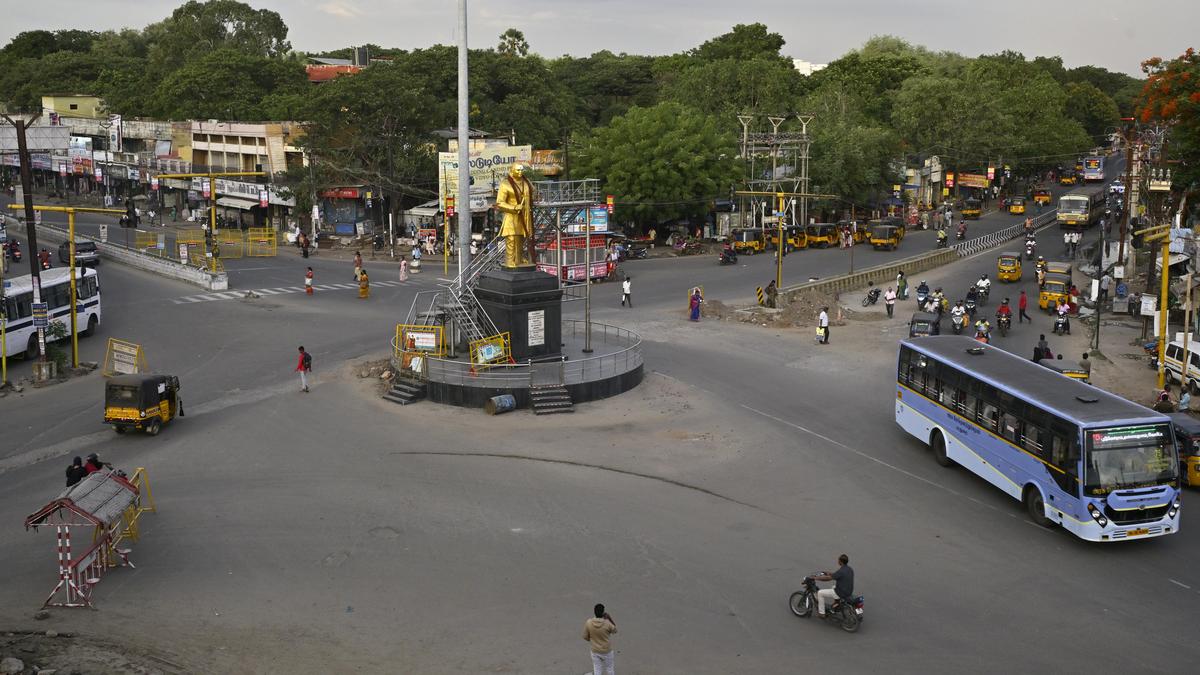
[[331, 531]]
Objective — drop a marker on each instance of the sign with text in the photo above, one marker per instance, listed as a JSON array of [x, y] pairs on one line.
[[41, 314], [487, 166], [123, 358], [974, 180], [537, 328]]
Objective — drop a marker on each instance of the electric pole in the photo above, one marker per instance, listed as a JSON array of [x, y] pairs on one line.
[[464, 154], [30, 221]]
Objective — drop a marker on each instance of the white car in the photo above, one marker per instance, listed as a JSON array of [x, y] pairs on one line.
[[1117, 188]]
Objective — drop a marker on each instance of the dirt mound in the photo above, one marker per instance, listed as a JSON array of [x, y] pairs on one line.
[[715, 309], [803, 307]]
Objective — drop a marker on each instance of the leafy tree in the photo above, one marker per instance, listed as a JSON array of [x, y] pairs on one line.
[[1171, 96], [512, 43], [225, 84], [728, 86], [196, 28], [745, 41], [1095, 111], [605, 85], [1121, 88], [867, 80], [663, 162]]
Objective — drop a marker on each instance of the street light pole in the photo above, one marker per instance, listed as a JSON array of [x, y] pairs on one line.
[[464, 155]]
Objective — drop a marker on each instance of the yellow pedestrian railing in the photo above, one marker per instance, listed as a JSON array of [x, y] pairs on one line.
[[260, 242]]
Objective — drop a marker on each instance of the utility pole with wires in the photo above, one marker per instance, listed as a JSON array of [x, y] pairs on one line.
[[21, 126]]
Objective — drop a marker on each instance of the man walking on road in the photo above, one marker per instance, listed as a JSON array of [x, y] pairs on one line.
[[823, 324], [1022, 304], [627, 292], [1105, 282], [598, 631], [304, 366], [889, 301], [901, 285]]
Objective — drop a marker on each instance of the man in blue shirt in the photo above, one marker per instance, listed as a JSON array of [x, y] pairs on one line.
[[843, 587]]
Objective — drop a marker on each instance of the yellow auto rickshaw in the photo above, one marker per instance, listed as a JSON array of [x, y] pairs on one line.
[[142, 401], [1059, 267], [750, 240], [1008, 266], [822, 235], [793, 234], [1016, 205], [1056, 288], [860, 233], [1066, 178], [885, 236], [1042, 197], [972, 208], [1070, 369]]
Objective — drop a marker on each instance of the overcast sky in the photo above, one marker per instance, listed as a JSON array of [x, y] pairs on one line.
[[1115, 35]]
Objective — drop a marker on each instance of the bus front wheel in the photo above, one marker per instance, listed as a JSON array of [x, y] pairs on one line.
[[31, 350], [1036, 507], [938, 443]]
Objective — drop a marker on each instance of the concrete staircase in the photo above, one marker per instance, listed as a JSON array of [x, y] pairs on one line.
[[550, 400], [405, 392]]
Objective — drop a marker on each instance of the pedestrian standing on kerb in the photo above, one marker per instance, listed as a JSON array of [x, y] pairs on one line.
[[308, 282], [598, 632], [823, 324], [627, 292], [1105, 283], [1086, 364], [694, 303], [1022, 305], [304, 366], [357, 265], [772, 295], [901, 285], [889, 301]]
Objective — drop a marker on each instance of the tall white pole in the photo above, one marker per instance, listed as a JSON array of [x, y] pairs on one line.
[[464, 171]]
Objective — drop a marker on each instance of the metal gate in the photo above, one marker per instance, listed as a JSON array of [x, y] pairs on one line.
[[546, 374]]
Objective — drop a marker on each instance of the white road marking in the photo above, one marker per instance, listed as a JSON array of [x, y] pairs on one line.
[[235, 295], [1180, 584], [267, 291]]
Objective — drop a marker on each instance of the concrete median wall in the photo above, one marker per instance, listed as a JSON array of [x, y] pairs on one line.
[[878, 274], [166, 267]]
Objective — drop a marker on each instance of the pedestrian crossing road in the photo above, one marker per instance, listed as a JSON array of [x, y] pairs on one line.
[[240, 294]]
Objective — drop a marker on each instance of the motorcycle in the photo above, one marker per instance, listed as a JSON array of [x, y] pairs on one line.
[[1004, 323], [943, 242], [982, 293], [377, 242], [1030, 249], [983, 336], [970, 305], [872, 297], [847, 614], [961, 232], [958, 320], [922, 297], [727, 258], [1062, 325], [634, 253]]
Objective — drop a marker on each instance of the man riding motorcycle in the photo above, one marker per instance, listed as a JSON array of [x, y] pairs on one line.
[[958, 316], [983, 330], [923, 290], [843, 587], [942, 239], [984, 285]]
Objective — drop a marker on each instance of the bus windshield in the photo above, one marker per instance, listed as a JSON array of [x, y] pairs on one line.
[[1072, 205], [1129, 457]]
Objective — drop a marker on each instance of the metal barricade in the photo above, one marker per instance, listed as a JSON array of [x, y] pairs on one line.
[[260, 242], [232, 243], [152, 243]]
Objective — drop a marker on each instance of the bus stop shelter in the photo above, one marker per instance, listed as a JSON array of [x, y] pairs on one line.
[[108, 504]]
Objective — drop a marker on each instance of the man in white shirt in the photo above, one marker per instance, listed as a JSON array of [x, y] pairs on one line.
[[823, 324], [626, 292]]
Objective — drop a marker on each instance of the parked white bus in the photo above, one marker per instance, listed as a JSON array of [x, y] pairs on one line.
[[20, 335]]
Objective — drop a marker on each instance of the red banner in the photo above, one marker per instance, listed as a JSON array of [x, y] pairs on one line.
[[341, 193]]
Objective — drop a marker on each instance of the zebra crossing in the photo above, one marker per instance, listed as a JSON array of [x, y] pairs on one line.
[[237, 295]]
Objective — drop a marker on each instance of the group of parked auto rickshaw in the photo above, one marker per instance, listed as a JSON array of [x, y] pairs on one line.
[[881, 234]]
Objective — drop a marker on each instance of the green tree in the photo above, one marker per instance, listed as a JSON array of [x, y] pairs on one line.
[[225, 84], [197, 28], [512, 43], [605, 85], [744, 41], [728, 86], [662, 162], [1094, 110]]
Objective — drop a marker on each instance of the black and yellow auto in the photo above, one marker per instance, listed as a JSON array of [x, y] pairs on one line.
[[1008, 266], [793, 234], [1070, 369], [141, 402], [972, 209], [1042, 197], [1059, 267], [822, 235], [1187, 437], [1067, 177], [885, 236], [1016, 205], [750, 240], [1055, 289]]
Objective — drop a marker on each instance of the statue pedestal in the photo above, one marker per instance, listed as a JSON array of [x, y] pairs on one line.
[[527, 304]]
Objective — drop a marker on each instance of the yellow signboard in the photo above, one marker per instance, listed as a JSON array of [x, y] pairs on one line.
[[491, 350]]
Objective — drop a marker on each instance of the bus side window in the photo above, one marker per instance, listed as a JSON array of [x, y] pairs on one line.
[[947, 395], [989, 415], [1033, 440], [966, 406], [1010, 427], [903, 364]]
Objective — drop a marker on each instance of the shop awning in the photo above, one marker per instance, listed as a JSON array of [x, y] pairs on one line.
[[237, 202], [426, 210]]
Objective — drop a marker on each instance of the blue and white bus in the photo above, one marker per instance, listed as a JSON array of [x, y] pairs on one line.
[[1093, 168], [20, 335], [1102, 467]]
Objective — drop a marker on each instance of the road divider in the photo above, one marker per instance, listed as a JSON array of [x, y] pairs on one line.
[[163, 266], [876, 275], [972, 246]]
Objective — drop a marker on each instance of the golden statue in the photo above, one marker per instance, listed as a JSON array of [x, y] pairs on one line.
[[515, 200]]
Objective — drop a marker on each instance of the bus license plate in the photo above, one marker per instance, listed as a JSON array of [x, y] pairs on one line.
[[1137, 533]]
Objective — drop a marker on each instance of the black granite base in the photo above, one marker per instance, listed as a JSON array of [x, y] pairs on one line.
[[526, 304], [474, 397]]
